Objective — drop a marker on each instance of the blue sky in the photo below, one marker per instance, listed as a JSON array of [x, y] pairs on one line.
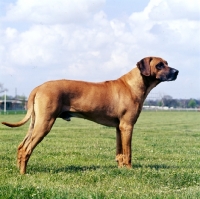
[[97, 40]]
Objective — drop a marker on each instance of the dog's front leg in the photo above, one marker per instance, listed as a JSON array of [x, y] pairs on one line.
[[124, 138], [119, 156]]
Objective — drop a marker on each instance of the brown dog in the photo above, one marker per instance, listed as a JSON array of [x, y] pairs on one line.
[[116, 103]]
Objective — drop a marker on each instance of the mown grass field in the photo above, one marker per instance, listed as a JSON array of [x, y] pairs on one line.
[[76, 160]]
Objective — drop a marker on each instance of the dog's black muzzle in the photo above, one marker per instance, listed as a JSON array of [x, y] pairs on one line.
[[173, 73]]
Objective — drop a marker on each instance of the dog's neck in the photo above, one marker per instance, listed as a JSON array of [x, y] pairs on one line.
[[146, 83]]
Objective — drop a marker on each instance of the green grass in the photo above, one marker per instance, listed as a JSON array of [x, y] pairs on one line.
[[76, 160]]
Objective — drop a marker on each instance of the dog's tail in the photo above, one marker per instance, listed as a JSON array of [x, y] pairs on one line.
[[28, 114], [23, 121]]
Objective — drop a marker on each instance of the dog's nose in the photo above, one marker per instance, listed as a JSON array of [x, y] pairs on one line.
[[173, 74], [174, 71]]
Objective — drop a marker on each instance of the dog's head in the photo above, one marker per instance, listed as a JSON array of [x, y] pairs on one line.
[[157, 68]]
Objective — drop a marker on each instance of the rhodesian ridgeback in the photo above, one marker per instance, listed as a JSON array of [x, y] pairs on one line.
[[115, 103]]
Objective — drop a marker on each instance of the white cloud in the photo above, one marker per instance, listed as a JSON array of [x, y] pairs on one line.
[[53, 11], [11, 33], [166, 23], [174, 9], [78, 41]]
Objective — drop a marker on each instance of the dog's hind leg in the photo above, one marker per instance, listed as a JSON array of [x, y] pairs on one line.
[[33, 138], [27, 137]]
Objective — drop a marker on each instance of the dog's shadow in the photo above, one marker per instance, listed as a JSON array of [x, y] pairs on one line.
[[78, 168], [153, 166], [66, 169]]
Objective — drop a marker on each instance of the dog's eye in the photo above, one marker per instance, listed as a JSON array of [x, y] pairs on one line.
[[160, 66]]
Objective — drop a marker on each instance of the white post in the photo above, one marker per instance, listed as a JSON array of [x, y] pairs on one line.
[[5, 101]]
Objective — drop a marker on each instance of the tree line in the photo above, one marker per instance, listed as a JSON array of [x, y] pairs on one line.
[[168, 101]]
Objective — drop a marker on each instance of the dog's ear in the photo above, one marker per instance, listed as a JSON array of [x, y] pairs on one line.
[[144, 66]]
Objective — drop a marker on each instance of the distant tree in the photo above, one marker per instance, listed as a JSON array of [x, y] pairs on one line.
[[160, 103], [167, 100], [167, 97], [192, 103]]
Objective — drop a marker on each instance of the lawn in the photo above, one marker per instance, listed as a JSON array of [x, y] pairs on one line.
[[76, 160]]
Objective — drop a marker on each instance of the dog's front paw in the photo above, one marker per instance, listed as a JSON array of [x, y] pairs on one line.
[[119, 160]]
